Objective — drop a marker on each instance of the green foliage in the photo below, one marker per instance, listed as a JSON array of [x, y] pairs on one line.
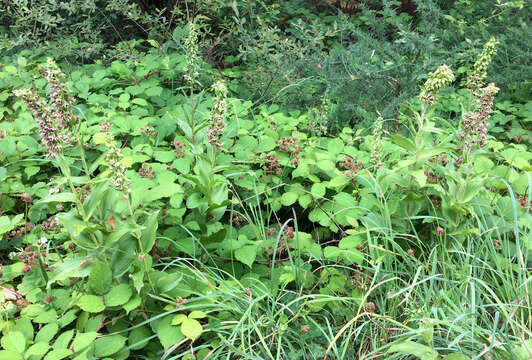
[[179, 221]]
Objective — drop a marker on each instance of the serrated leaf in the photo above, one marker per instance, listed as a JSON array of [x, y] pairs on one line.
[[91, 303]]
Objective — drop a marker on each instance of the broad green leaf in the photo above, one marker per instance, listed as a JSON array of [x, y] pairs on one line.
[[178, 319], [289, 198], [63, 340], [108, 345], [423, 352], [47, 333], [14, 341], [82, 340], [191, 328], [326, 165], [150, 232], [31, 170], [138, 337], [38, 350], [403, 142], [154, 91], [58, 354], [335, 146], [318, 190], [132, 304], [139, 101], [118, 295], [100, 278], [167, 333], [197, 314], [91, 303], [10, 355], [305, 200], [457, 356], [246, 254], [60, 197]]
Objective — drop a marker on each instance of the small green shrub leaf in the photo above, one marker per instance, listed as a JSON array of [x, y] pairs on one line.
[[14, 341], [108, 345], [118, 295], [100, 278], [191, 328], [91, 303]]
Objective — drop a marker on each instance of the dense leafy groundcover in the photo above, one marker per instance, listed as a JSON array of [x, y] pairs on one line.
[[145, 213]]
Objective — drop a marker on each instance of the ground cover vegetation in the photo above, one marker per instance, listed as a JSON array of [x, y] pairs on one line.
[[265, 180]]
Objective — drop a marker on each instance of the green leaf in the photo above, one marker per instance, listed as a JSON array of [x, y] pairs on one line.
[[167, 333], [58, 354], [288, 198], [150, 232], [82, 340], [108, 345], [31, 170], [338, 181], [132, 304], [14, 341], [457, 356], [139, 101], [191, 328], [60, 197], [178, 319], [138, 338], [304, 200], [335, 146], [7, 224], [420, 177], [326, 165], [100, 278], [91, 303], [119, 295], [197, 314], [403, 142], [38, 349], [413, 348], [47, 333], [10, 355], [318, 189], [246, 254], [154, 91]]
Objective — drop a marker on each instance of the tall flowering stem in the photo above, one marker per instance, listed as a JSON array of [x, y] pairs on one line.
[[475, 123], [54, 119], [218, 114], [377, 145], [476, 78], [193, 60], [438, 79]]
